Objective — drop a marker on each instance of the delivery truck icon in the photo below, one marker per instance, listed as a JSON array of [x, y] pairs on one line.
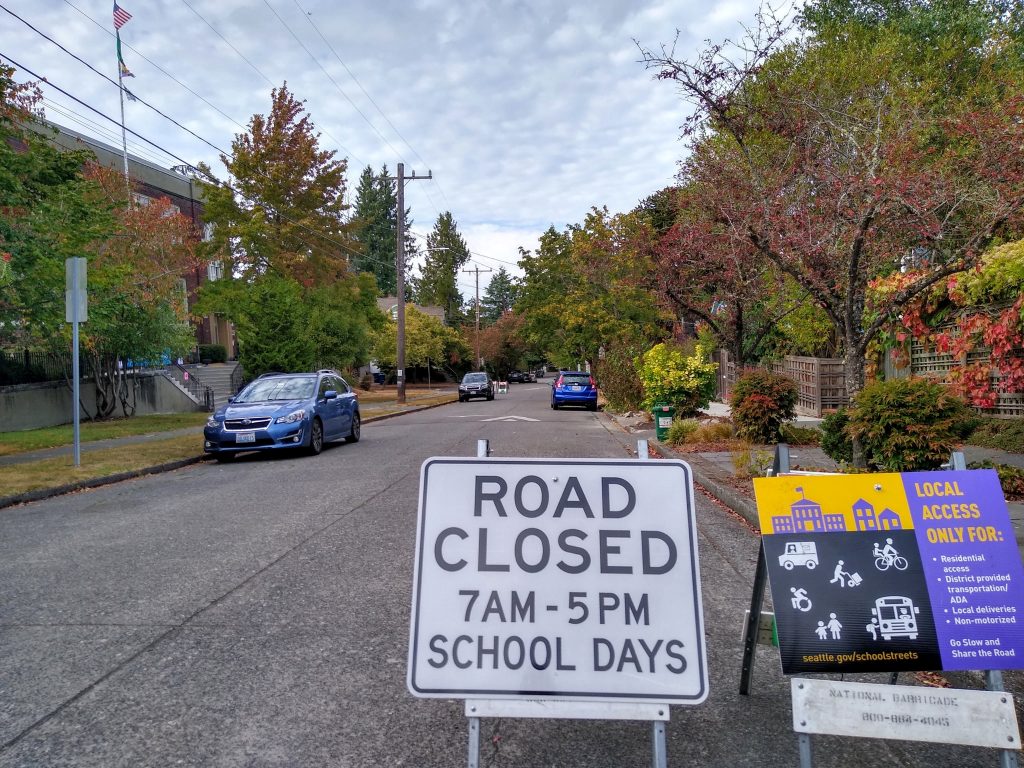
[[799, 553]]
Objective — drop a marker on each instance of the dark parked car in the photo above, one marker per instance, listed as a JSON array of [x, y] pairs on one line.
[[574, 388], [476, 384], [515, 377], [285, 410]]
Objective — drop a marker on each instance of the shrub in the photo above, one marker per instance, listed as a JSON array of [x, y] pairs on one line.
[[1005, 434], [1010, 478], [366, 382], [761, 403], [907, 424], [617, 377], [750, 462], [668, 375], [680, 430], [794, 435], [836, 444], [214, 353]]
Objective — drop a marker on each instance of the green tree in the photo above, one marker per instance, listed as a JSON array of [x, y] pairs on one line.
[[499, 297], [446, 254], [375, 226], [842, 155], [591, 287], [56, 205], [284, 211], [281, 227], [271, 327], [426, 339]]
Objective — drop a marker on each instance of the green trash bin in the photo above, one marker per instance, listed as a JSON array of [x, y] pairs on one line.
[[663, 414]]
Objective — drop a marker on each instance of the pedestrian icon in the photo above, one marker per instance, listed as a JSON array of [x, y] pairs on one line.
[[834, 626], [844, 578]]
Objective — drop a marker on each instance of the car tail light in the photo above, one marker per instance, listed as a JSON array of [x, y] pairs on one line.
[[593, 383]]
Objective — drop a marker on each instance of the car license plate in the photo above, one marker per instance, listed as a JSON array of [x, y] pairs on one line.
[[576, 388], [245, 437]]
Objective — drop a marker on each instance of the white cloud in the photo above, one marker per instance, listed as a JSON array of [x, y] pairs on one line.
[[528, 112]]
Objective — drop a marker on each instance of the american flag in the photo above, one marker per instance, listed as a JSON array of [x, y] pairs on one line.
[[121, 16]]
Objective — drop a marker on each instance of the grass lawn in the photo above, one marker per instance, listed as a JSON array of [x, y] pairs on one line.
[[52, 437], [51, 473]]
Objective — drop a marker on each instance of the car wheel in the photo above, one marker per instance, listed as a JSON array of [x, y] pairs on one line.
[[490, 396], [554, 406], [462, 399], [591, 406], [353, 436], [316, 437]]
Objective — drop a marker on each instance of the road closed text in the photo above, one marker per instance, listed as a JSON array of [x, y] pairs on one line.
[[572, 550]]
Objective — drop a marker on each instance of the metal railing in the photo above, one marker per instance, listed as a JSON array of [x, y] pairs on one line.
[[202, 393]]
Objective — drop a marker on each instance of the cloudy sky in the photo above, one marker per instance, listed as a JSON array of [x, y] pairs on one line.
[[528, 112]]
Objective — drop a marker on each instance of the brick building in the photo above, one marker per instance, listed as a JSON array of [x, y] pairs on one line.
[[151, 182]]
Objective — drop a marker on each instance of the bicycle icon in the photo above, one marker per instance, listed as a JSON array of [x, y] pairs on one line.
[[887, 557]]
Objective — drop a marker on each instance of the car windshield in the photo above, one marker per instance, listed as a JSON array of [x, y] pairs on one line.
[[278, 388], [576, 378], [475, 378]]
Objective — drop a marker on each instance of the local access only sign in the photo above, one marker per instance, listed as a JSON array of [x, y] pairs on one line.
[[890, 572], [557, 579]]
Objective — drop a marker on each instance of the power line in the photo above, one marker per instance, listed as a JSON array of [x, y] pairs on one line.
[[158, 67], [269, 81], [110, 80], [186, 163], [309, 19]]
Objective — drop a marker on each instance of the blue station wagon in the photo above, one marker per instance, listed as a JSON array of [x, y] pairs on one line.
[[285, 410]]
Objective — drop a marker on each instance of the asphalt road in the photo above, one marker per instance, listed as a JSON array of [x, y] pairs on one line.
[[256, 614]]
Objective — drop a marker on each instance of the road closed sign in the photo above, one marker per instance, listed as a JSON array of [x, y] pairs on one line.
[[552, 579]]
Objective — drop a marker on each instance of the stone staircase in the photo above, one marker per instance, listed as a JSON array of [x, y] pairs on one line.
[[216, 376]]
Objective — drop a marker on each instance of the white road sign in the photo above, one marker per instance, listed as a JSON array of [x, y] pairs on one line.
[[557, 579]]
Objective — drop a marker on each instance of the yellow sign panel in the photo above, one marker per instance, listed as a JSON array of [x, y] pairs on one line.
[[806, 503]]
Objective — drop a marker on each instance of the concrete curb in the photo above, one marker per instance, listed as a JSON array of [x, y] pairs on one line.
[[96, 482]]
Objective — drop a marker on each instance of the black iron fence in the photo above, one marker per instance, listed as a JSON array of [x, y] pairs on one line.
[[28, 367]]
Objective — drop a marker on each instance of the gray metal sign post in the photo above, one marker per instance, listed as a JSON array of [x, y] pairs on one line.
[[75, 311]]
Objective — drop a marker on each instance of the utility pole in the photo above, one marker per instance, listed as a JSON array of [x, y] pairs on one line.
[[478, 270], [400, 276]]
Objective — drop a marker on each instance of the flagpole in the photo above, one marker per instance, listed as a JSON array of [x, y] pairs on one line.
[[124, 133]]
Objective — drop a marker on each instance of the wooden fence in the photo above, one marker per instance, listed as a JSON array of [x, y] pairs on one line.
[[820, 381]]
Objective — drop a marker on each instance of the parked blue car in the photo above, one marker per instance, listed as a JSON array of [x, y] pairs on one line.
[[574, 388], [285, 410]]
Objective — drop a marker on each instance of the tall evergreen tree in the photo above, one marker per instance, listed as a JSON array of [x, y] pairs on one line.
[[499, 297], [376, 227], [447, 253]]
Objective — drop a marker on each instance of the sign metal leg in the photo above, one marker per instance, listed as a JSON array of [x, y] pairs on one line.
[[753, 622], [659, 758], [804, 742], [474, 743], [994, 682]]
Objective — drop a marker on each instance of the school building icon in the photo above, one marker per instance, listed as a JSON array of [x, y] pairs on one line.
[[806, 515]]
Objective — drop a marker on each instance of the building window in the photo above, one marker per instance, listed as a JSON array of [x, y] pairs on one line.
[[215, 270]]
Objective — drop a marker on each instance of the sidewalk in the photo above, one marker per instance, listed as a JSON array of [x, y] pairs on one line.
[[714, 471]]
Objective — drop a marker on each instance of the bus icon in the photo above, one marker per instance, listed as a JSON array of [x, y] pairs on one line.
[[896, 617]]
